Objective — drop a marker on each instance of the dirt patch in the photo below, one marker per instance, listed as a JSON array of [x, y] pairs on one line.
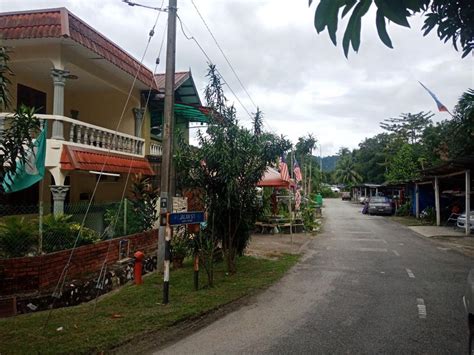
[[271, 246]]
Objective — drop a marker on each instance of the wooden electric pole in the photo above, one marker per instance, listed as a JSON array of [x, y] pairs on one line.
[[166, 196]]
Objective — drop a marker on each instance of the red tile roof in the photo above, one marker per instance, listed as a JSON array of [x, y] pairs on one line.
[[75, 158], [57, 23]]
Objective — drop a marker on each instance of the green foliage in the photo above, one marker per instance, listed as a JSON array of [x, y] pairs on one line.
[[60, 233], [17, 138], [228, 165], [114, 219], [404, 210], [145, 201], [18, 237], [371, 159], [454, 20], [346, 172], [5, 71], [181, 244], [308, 214], [408, 127], [404, 165]]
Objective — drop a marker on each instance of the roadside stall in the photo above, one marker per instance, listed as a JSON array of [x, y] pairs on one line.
[[276, 222]]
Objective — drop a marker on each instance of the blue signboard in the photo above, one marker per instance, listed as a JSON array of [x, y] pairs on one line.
[[186, 218]]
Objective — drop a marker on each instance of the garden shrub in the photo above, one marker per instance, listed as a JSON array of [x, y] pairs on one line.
[[18, 237]]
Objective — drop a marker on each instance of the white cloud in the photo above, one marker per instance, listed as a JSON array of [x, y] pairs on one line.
[[298, 78]]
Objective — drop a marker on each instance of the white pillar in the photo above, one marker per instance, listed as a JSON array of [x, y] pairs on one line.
[[59, 195], [59, 80], [417, 201], [138, 114], [468, 202], [437, 208]]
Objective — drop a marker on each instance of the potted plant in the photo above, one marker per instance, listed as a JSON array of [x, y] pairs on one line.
[[180, 247]]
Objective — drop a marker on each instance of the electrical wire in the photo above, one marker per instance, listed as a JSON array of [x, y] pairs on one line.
[[223, 54], [192, 38]]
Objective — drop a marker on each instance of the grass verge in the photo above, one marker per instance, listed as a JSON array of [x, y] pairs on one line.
[[135, 310]]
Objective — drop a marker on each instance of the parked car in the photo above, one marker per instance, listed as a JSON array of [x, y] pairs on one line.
[[469, 305], [461, 222], [380, 205], [346, 195], [335, 189]]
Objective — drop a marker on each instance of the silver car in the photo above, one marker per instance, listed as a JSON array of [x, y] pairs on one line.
[[380, 205], [461, 222], [469, 305]]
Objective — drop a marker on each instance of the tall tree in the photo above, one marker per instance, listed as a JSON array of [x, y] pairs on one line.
[[227, 166], [346, 171], [404, 165], [453, 19], [408, 126]]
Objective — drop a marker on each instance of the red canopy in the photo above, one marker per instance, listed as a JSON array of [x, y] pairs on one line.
[[272, 178]]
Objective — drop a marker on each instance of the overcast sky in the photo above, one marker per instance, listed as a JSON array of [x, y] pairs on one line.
[[301, 82]]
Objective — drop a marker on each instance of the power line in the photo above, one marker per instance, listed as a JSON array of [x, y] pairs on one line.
[[223, 54], [192, 38]]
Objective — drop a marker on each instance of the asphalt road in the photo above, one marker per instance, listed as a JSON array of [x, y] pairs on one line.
[[366, 285]]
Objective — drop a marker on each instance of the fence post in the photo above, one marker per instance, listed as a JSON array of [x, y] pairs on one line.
[[125, 216]]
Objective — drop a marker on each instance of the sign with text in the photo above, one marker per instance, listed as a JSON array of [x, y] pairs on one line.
[[186, 218]]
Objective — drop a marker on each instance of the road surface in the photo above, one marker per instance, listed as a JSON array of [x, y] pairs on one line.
[[366, 285]]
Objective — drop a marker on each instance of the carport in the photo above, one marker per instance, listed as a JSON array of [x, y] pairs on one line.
[[455, 175]]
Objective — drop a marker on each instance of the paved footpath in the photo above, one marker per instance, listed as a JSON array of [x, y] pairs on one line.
[[366, 285]]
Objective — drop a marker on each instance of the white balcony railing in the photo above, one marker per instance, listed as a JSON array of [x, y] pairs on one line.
[[92, 136], [156, 149]]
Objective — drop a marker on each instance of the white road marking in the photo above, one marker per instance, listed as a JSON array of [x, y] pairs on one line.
[[401, 244], [357, 232], [421, 308], [410, 273], [396, 252], [443, 249]]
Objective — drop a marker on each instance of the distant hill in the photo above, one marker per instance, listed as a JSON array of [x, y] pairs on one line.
[[329, 163]]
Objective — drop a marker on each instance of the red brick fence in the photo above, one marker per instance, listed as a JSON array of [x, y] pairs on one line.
[[38, 274]]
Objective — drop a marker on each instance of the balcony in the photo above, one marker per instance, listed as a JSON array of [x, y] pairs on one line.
[[79, 133], [155, 149]]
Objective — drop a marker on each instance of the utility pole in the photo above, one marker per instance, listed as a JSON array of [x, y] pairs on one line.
[[166, 196]]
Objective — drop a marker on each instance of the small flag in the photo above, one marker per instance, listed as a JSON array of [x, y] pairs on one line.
[[32, 170], [441, 107], [297, 171], [284, 169]]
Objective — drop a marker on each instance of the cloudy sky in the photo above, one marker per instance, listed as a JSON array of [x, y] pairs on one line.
[[301, 82]]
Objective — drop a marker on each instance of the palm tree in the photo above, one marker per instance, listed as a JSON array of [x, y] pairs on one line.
[[346, 172]]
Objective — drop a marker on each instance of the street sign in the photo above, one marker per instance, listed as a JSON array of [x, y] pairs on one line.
[[185, 218]]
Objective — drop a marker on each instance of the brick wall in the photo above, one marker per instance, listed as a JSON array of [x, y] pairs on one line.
[[41, 273]]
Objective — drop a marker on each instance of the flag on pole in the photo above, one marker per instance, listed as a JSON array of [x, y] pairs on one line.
[[297, 171], [284, 169], [32, 170], [441, 107]]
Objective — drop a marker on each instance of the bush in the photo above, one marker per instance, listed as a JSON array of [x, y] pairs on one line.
[[116, 224], [404, 210], [60, 233], [18, 237]]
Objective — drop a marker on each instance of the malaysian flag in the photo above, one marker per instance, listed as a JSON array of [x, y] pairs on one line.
[[284, 169], [441, 107], [297, 171]]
